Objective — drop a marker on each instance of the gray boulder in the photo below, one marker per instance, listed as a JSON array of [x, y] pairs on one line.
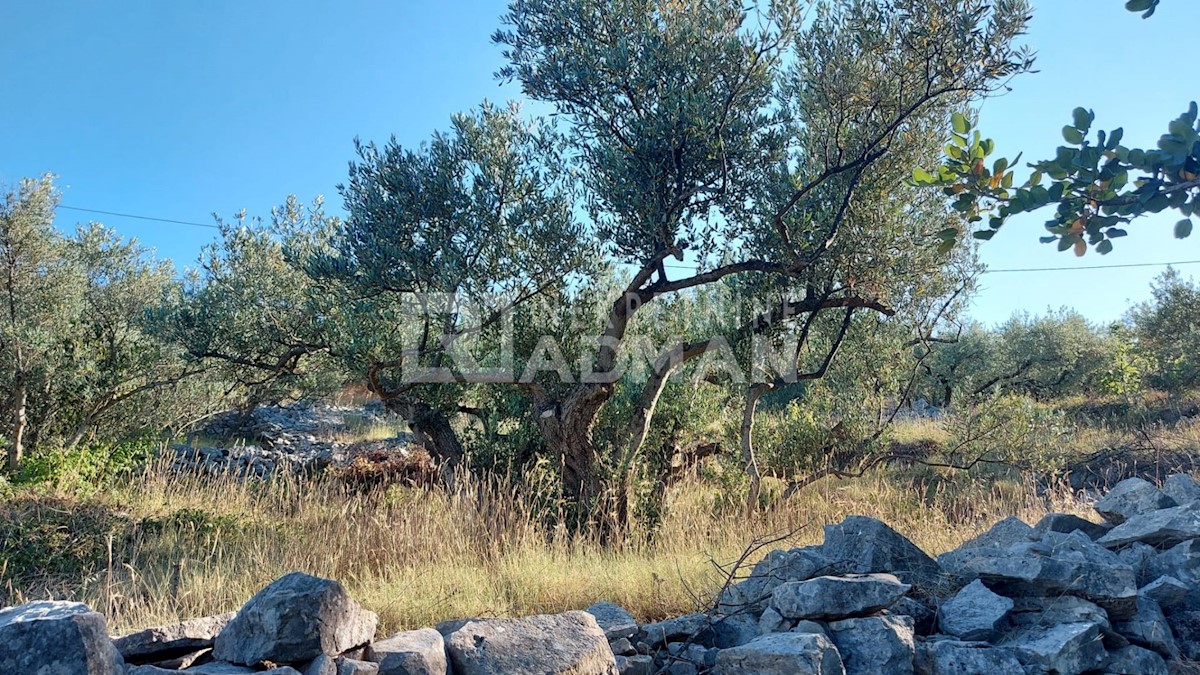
[[414, 652], [1164, 527], [782, 654], [837, 597], [777, 567], [731, 630], [1140, 557], [924, 618], [1067, 523], [1011, 530], [1060, 563], [954, 657], [347, 666], [1132, 497], [1182, 488], [862, 545], [613, 619], [293, 620], [1067, 649], [329, 665], [1134, 660], [975, 613], [875, 645], [693, 626], [1166, 590], [570, 643], [1149, 628], [167, 642], [1060, 609], [771, 621], [635, 665], [56, 638], [1181, 561]]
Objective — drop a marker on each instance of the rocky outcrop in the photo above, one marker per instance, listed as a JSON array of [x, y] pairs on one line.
[[1068, 596]]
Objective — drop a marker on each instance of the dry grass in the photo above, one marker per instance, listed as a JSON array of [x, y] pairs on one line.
[[192, 545]]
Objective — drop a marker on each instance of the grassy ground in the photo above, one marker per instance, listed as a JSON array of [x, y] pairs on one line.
[[163, 547]]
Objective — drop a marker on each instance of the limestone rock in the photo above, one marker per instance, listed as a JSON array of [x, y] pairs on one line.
[[347, 666], [862, 545], [1060, 563], [167, 642], [56, 638], [622, 647], [975, 613], [875, 645], [1066, 523], [954, 657], [293, 620], [1060, 609], [837, 597], [414, 652], [1167, 591], [570, 643], [677, 628], [782, 654], [1141, 558], [777, 567], [1011, 530], [1181, 561], [772, 621], [733, 630], [613, 619], [1164, 527], [1067, 649], [1182, 488], [1132, 497], [1149, 628], [635, 665], [924, 618], [1134, 660]]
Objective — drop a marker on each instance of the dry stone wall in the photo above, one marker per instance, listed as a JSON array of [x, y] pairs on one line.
[[1065, 596]]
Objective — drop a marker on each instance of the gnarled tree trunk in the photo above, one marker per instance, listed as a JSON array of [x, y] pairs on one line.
[[432, 429]]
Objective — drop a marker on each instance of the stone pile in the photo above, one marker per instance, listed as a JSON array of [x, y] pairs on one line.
[[1066, 596], [303, 438]]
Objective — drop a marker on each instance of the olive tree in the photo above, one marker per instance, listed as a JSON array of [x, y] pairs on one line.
[[38, 295], [252, 317], [440, 245], [747, 141]]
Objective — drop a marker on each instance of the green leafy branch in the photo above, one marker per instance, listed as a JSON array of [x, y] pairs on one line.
[[1096, 184]]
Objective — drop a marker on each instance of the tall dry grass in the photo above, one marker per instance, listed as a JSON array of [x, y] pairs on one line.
[[195, 545]]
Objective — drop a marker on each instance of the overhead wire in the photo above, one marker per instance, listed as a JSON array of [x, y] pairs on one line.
[[1007, 270]]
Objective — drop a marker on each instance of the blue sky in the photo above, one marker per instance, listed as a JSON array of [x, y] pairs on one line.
[[179, 109]]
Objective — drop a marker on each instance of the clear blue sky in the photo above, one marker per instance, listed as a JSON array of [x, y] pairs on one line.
[[179, 109]]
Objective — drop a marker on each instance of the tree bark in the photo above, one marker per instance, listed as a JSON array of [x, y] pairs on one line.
[[16, 449], [431, 428], [754, 477]]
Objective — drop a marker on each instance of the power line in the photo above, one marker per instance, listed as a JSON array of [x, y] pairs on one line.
[[1092, 267], [1032, 269], [693, 269], [130, 215]]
